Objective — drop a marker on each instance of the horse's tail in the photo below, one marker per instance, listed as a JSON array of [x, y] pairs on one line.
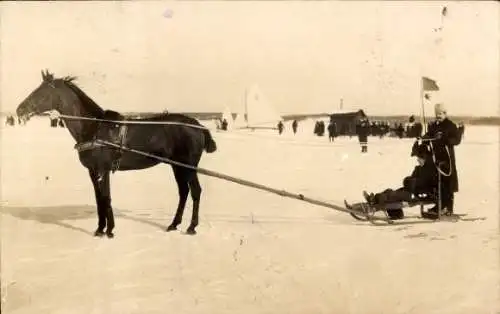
[[210, 145]]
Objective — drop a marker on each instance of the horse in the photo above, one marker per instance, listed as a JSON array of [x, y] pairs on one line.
[[171, 135]]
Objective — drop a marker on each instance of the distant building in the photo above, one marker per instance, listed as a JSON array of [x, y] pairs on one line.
[[346, 121]]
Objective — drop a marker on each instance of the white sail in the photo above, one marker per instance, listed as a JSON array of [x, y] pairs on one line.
[[239, 121], [259, 111]]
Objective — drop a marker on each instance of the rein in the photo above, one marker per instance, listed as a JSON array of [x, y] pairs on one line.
[[437, 165], [122, 137], [71, 117]]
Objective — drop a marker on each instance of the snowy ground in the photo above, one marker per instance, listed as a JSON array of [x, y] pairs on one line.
[[254, 252]]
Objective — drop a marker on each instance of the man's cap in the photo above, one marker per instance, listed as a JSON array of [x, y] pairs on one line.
[[439, 107]]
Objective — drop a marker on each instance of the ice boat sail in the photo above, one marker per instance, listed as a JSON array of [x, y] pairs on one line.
[[259, 112]]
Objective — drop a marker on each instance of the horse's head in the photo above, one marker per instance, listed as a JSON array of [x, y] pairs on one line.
[[44, 98]]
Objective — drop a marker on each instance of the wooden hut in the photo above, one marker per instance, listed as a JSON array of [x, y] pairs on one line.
[[346, 121]]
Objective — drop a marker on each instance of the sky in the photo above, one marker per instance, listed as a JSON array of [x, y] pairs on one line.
[[304, 56]]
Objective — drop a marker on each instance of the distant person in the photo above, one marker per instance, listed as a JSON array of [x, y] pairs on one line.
[[409, 126], [414, 129], [362, 130], [281, 126], [321, 128], [400, 130], [445, 136], [295, 124], [417, 130], [386, 128], [332, 131], [224, 125], [9, 120], [461, 130], [373, 129], [380, 129]]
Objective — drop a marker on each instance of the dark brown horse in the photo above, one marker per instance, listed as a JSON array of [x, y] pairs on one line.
[[173, 136]]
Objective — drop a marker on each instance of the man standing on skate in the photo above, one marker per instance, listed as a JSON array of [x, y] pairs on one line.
[[444, 135]]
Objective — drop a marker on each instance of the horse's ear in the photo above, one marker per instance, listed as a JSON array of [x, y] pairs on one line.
[[47, 77], [43, 75]]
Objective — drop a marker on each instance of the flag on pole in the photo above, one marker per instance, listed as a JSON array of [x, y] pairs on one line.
[[429, 85], [444, 11]]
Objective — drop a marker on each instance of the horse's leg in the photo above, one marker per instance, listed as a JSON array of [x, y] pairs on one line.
[[106, 204], [101, 214], [195, 187], [181, 177]]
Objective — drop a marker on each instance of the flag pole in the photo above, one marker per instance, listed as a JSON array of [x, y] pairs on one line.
[[422, 104]]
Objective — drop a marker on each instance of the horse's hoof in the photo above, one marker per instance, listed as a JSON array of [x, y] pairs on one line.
[[110, 235], [191, 231], [171, 228], [98, 233]]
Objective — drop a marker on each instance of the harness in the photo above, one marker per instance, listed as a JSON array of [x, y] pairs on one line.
[[119, 140]]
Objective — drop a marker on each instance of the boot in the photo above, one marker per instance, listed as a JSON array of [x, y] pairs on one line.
[[430, 215], [448, 205], [434, 210]]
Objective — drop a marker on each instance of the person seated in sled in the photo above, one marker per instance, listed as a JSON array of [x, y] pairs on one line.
[[422, 182]]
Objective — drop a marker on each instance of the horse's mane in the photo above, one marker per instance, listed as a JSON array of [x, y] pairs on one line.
[[100, 113], [87, 102]]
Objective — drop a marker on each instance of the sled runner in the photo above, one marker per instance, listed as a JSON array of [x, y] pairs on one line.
[[394, 212]]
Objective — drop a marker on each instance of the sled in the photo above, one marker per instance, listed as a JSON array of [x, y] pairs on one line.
[[394, 213]]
